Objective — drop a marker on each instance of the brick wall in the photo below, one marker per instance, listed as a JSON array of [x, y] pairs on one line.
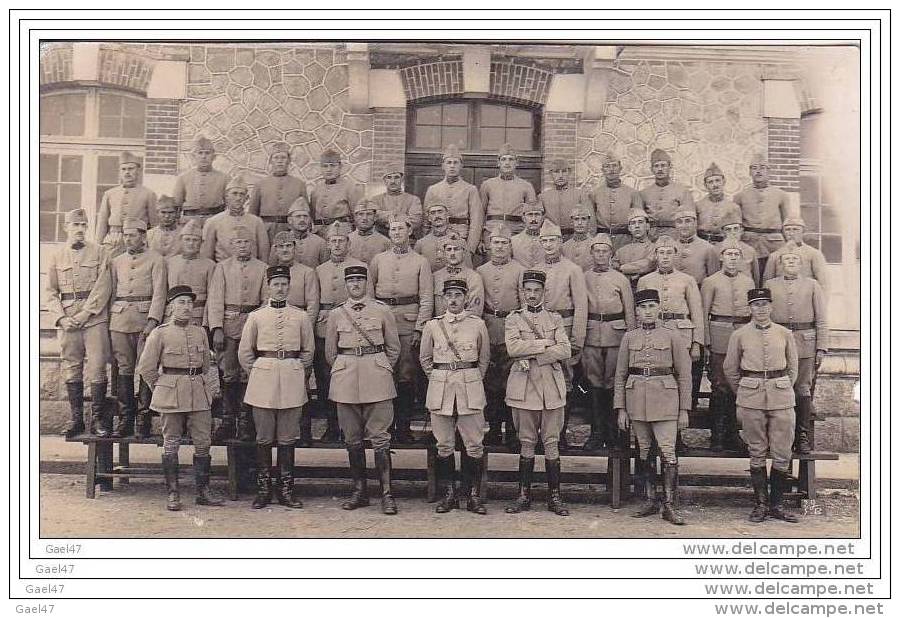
[[559, 130], [517, 81], [56, 64], [125, 69], [433, 79], [784, 153], [161, 135], [389, 140]]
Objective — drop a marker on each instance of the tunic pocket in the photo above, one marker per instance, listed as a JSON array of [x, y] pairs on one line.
[[382, 361], [669, 382], [165, 396], [783, 382], [748, 382]]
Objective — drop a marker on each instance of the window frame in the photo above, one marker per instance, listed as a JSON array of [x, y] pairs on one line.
[[811, 168]]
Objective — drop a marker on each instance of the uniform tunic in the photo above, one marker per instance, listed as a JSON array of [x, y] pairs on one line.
[[565, 293], [366, 246], [503, 197], [609, 295], [710, 215], [117, 205], [271, 198], [196, 272], [398, 204], [578, 250], [558, 205], [474, 297], [137, 276], [304, 291], [310, 249], [635, 259], [662, 202], [219, 231], [611, 206], [527, 249], [165, 242], [724, 296], [464, 207], [332, 289], [697, 258], [748, 264], [324, 198], [200, 195], [763, 210], [431, 247], [678, 294], [539, 384], [812, 263], [178, 347]]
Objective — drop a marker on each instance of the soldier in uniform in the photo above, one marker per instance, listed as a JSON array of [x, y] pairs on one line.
[[560, 199], [664, 197], [653, 395], [454, 250], [526, 245], [610, 314], [219, 229], [138, 280], [538, 344], [636, 258], [396, 201], [812, 261], [501, 276], [504, 194], [695, 256], [238, 287], [733, 230], [613, 202], [200, 192], [455, 353], [763, 210], [464, 207], [365, 241], [276, 351], [128, 200], [175, 364], [578, 247], [798, 304], [76, 294], [190, 268], [761, 367], [310, 249], [273, 195], [165, 238], [362, 347], [726, 309], [714, 207], [330, 198], [332, 292], [401, 278], [431, 246]]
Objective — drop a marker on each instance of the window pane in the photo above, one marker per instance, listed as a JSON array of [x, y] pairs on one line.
[[51, 122], [71, 169], [832, 247], [455, 135], [428, 137], [133, 127], [456, 114], [47, 226], [810, 216], [69, 197], [110, 105], [49, 167], [110, 126], [428, 115], [73, 115], [831, 222], [520, 139], [62, 114], [492, 138], [121, 116], [809, 190], [108, 170], [518, 118], [48, 196], [493, 116]]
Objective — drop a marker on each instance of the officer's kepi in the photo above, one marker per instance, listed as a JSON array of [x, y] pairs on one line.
[[646, 296], [456, 284], [355, 272], [273, 272], [180, 290], [758, 294]]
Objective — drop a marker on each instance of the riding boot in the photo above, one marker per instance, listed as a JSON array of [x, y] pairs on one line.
[[75, 393], [127, 407], [230, 404], [474, 474], [779, 483], [760, 492], [648, 475], [285, 495], [170, 469], [445, 467], [555, 502], [204, 497], [804, 422], [670, 484], [383, 465], [144, 416], [305, 438], [332, 428], [526, 473], [598, 413], [403, 408], [359, 497], [263, 476], [101, 417], [246, 428]]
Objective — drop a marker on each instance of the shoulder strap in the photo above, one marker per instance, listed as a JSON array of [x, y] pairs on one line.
[[449, 341], [359, 329]]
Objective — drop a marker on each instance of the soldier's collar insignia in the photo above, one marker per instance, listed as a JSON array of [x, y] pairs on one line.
[[359, 306], [77, 245], [136, 251], [552, 260], [537, 309], [331, 181], [277, 304], [581, 236], [649, 326], [401, 250]]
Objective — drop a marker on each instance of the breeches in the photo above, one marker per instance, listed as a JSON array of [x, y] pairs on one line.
[[768, 433], [280, 425], [126, 349], [470, 427], [366, 421], [599, 365], [198, 425], [84, 348], [534, 423], [665, 434], [228, 362]]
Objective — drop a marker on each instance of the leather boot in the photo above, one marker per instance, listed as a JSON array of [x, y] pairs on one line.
[[761, 494], [526, 473], [332, 428], [144, 416], [285, 495], [305, 439], [563, 440], [717, 421], [779, 483], [246, 429], [227, 430], [445, 468], [170, 469], [615, 437], [598, 413], [75, 393], [204, 497], [127, 407], [360, 495], [403, 407], [474, 474], [383, 465], [670, 484], [804, 422], [648, 475], [555, 502], [731, 440], [263, 476], [101, 416]]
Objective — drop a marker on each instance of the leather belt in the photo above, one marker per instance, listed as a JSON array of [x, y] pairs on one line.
[[616, 229], [567, 231], [606, 317], [458, 220], [241, 308], [765, 375], [564, 313], [183, 371], [495, 313], [279, 354], [298, 306], [330, 220], [456, 365], [763, 230], [200, 302], [134, 299], [731, 319], [711, 236], [190, 212], [673, 316], [397, 301], [274, 218], [660, 223], [327, 306], [362, 350], [799, 325], [74, 295], [514, 218], [650, 371]]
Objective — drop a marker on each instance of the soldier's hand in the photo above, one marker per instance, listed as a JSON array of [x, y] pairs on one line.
[[820, 356], [623, 420], [695, 351], [148, 329], [218, 340], [81, 318], [67, 324], [683, 419], [415, 338]]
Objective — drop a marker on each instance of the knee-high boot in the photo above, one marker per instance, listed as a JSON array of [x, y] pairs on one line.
[[445, 468], [648, 476], [170, 469], [599, 423], [403, 405], [779, 484], [555, 502], [760, 493], [473, 474], [230, 405], [144, 416], [526, 473], [383, 465], [202, 464], [359, 497], [285, 495], [263, 476], [246, 428], [101, 416], [670, 483], [75, 393], [127, 407], [804, 421]]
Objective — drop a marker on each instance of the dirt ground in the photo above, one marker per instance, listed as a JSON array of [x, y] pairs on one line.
[[138, 510]]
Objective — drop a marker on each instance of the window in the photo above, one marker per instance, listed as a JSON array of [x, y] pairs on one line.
[[823, 226], [121, 116], [62, 114], [474, 126], [60, 191]]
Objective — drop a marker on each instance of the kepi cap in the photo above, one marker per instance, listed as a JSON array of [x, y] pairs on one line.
[[127, 157], [134, 224], [356, 271], [456, 284], [273, 272], [180, 290], [646, 296], [759, 294], [534, 275]]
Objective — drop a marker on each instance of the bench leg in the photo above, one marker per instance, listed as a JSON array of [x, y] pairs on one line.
[[808, 478], [124, 461], [483, 481], [90, 469], [231, 457], [431, 458], [614, 481], [105, 463]]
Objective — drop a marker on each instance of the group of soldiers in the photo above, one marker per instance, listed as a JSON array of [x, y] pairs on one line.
[[483, 304]]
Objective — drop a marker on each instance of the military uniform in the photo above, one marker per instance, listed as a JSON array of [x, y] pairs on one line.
[[526, 248], [749, 262], [812, 261], [711, 210], [463, 207], [612, 205], [196, 272], [330, 200], [120, 203], [431, 247], [662, 201], [503, 198], [219, 230], [638, 257], [310, 249], [273, 195], [165, 241], [402, 203], [365, 246], [763, 211], [558, 205], [697, 258], [474, 296], [578, 250]]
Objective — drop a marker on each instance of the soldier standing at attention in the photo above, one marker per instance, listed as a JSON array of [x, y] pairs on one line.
[[454, 250], [560, 199], [501, 276], [464, 207], [613, 202], [362, 347], [395, 201], [219, 229], [332, 292], [734, 232], [200, 192], [761, 367], [653, 395], [365, 242], [128, 200], [812, 261], [725, 306], [189, 268], [138, 280], [714, 207], [401, 278], [431, 246], [636, 259], [274, 194], [310, 249], [175, 364], [455, 353], [763, 210], [330, 198], [664, 197], [798, 304], [165, 238], [696, 256], [76, 295], [504, 194], [238, 287], [526, 245], [610, 314], [578, 247], [276, 351], [538, 344]]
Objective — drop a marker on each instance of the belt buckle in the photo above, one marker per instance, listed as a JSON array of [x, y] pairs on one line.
[[279, 354], [358, 350], [645, 371], [454, 365]]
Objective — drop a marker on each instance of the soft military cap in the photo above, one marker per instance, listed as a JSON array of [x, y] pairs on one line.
[[453, 240], [532, 207], [283, 238], [236, 182], [192, 228], [76, 216], [499, 231], [364, 206], [534, 275], [165, 201], [506, 149], [579, 211], [126, 158], [794, 221], [456, 284], [451, 152], [601, 239], [273, 272], [351, 272], [611, 156], [646, 296], [685, 212], [340, 228], [437, 206], [759, 158], [665, 241], [730, 219], [713, 170], [790, 250], [180, 290], [394, 167], [548, 228], [241, 232], [399, 218], [730, 244], [659, 155], [300, 205], [134, 224], [759, 294], [203, 143], [281, 147], [637, 213], [330, 155]]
